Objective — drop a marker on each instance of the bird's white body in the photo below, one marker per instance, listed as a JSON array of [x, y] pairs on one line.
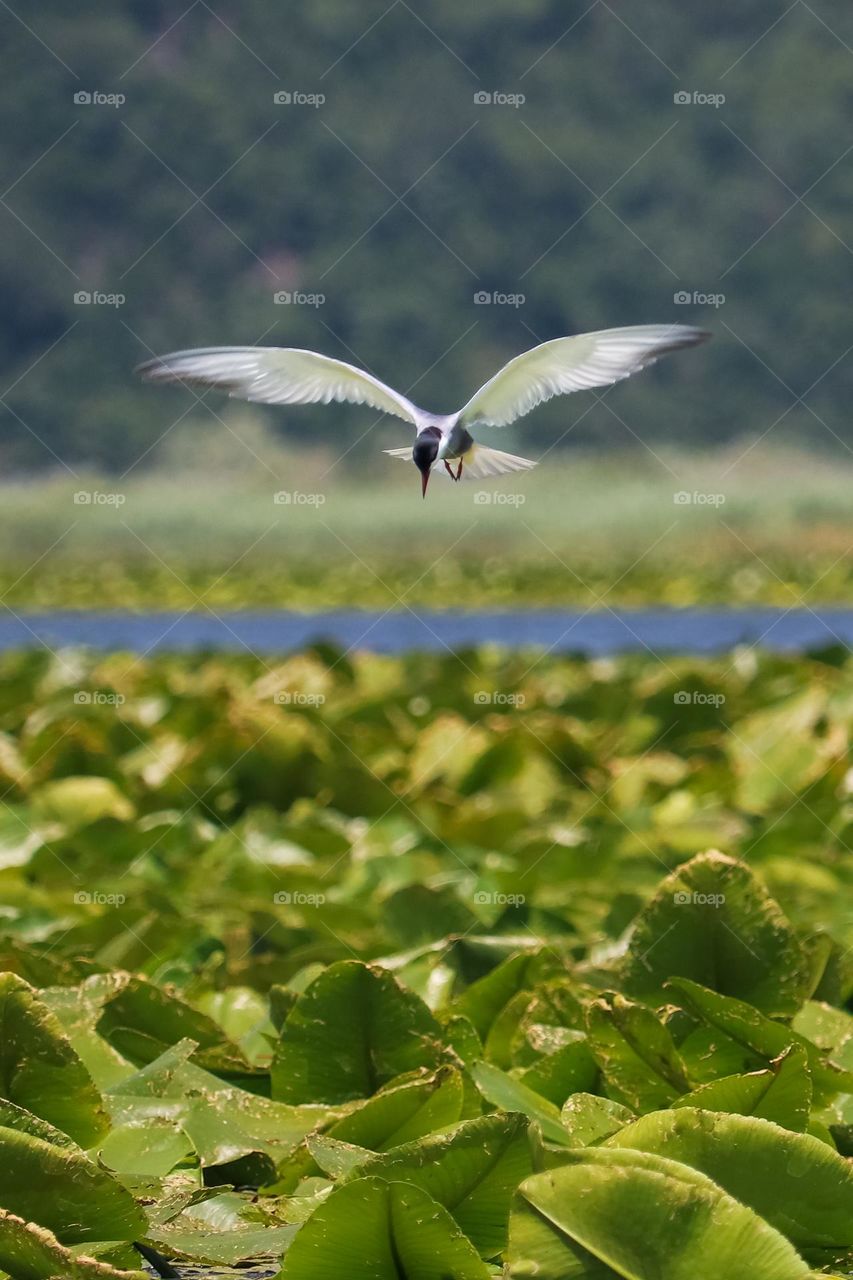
[[286, 375]]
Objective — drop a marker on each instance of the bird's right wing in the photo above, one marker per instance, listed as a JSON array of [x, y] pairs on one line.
[[278, 375]]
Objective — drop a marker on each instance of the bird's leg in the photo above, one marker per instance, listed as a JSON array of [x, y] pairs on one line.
[[458, 475], [449, 470]]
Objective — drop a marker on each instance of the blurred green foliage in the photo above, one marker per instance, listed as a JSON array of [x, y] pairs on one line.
[[770, 528], [403, 790]]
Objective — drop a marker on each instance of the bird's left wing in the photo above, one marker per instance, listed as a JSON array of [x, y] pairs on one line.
[[278, 375], [573, 364]]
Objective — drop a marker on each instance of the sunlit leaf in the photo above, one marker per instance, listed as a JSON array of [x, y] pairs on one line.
[[633, 1215], [636, 1053], [63, 1190], [31, 1252], [797, 1183], [40, 1071], [374, 1230], [504, 1091], [713, 922], [744, 1026], [353, 1030], [473, 1171], [782, 1094]]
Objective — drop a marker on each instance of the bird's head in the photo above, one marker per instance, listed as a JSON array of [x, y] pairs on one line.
[[424, 455]]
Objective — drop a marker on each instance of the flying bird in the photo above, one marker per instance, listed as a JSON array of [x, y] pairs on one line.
[[287, 375]]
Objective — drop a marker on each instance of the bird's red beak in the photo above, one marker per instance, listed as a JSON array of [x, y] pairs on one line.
[[424, 482]]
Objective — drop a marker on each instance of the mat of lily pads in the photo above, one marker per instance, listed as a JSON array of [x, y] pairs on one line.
[[470, 966]]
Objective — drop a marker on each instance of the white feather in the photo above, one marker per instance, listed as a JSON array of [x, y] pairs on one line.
[[572, 364], [479, 463], [279, 375]]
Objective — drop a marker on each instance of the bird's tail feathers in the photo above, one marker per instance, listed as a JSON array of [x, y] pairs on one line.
[[479, 463], [482, 463]]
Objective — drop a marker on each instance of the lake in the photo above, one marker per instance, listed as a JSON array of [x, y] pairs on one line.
[[594, 632]]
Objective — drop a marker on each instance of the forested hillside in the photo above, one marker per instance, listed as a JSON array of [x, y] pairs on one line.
[[580, 165]]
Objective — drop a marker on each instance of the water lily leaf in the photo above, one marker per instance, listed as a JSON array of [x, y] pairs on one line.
[[336, 1159], [776, 752], [588, 1119], [472, 1171], [225, 1248], [18, 842], [146, 1149], [63, 1190], [460, 1035], [829, 1028], [78, 802], [404, 1114], [370, 1229], [483, 1000], [761, 1036], [224, 1123], [351, 1032], [30, 1252], [390, 1118], [571, 1069], [417, 913], [782, 1094], [40, 1071], [504, 1091], [636, 1053], [796, 1182], [41, 965], [78, 1009], [243, 1015], [12, 1117], [713, 922], [141, 1020], [504, 1030], [609, 1213], [220, 1231]]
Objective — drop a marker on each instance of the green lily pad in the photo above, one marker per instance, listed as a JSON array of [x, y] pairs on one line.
[[633, 1215], [352, 1031], [371, 1229], [40, 1071]]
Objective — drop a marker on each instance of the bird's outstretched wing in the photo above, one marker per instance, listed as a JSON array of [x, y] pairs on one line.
[[278, 375], [573, 364]]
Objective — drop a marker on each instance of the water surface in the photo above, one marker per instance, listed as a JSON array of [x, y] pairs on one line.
[[594, 632]]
